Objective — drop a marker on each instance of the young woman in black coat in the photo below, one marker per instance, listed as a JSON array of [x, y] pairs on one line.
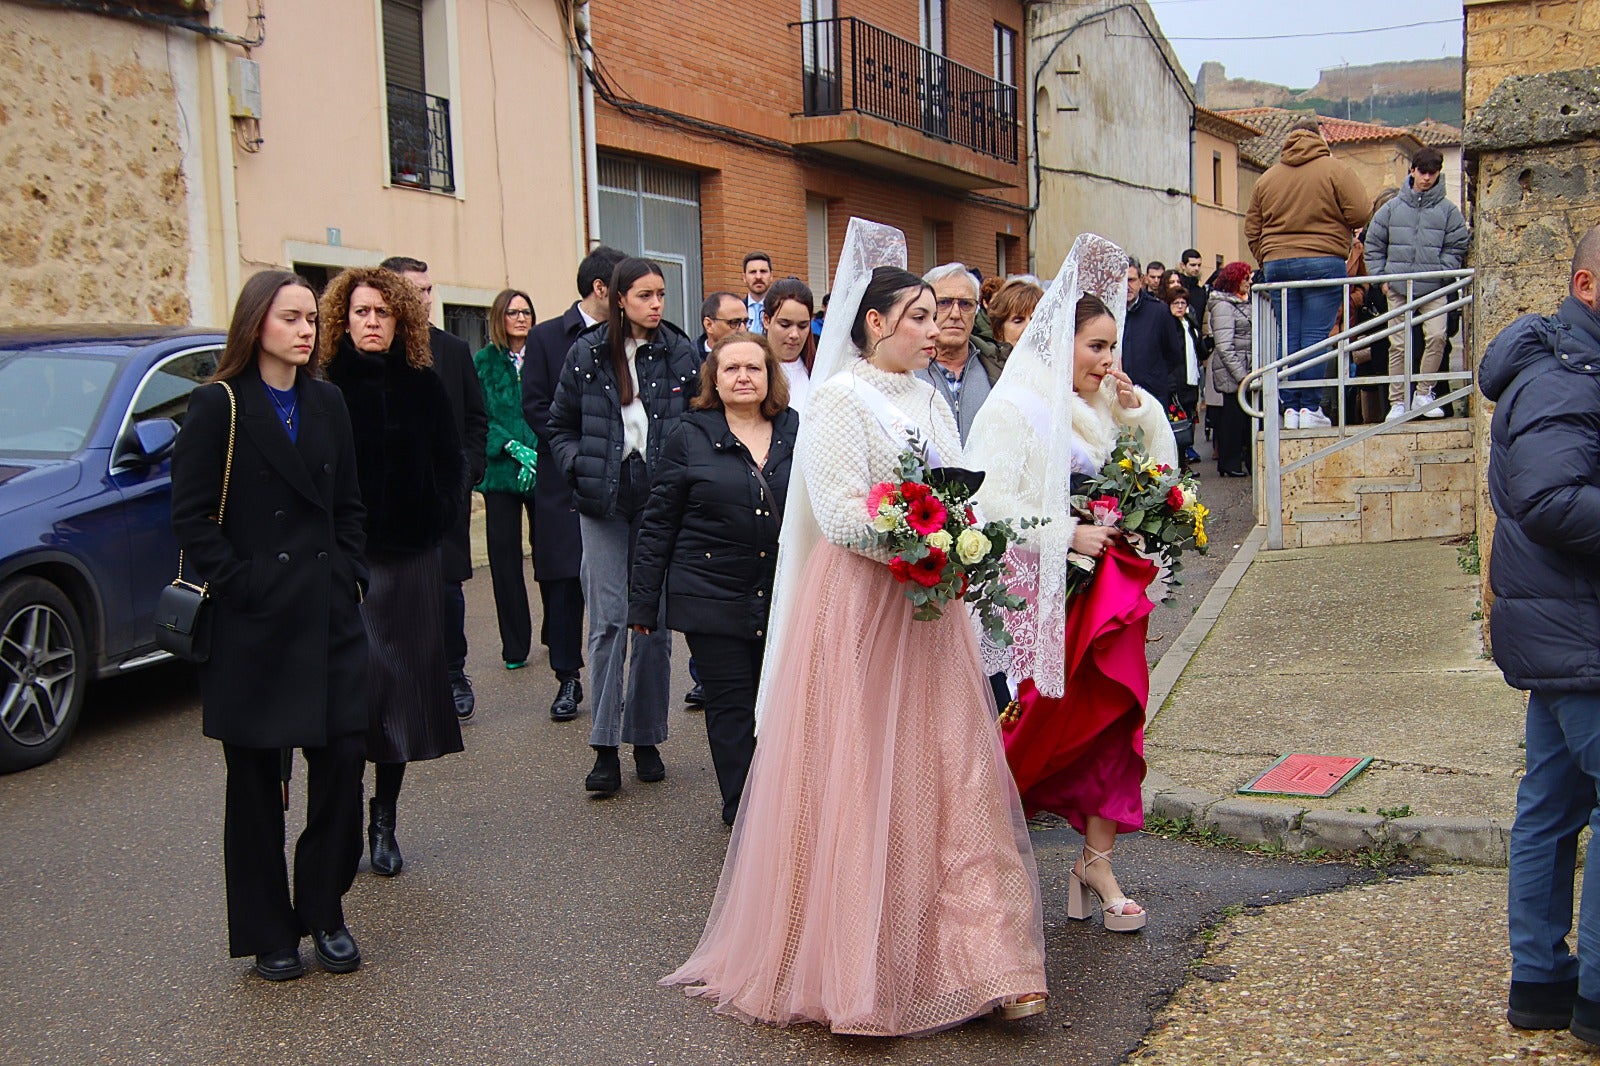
[[288, 652], [375, 347], [710, 531], [623, 388]]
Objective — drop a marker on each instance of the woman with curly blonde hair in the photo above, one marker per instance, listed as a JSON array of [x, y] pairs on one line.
[[374, 347]]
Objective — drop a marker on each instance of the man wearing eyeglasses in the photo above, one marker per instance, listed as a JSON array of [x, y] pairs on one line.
[[722, 313], [955, 294]]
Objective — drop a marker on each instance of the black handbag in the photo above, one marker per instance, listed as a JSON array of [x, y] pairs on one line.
[[183, 610], [1182, 426]]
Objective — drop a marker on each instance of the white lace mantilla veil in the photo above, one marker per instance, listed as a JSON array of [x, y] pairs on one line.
[[1022, 440], [867, 245]]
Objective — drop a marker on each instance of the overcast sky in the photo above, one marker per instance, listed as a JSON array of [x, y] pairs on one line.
[[1296, 62]]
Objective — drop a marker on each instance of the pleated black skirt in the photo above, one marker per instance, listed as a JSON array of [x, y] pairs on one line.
[[410, 715]]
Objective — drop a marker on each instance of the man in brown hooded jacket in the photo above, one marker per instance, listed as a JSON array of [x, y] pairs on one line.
[[1300, 226]]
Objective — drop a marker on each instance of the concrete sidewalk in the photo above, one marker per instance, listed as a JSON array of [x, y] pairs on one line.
[[1356, 650]]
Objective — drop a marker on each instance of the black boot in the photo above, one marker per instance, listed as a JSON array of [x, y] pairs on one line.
[[647, 763], [1585, 1019], [606, 777], [386, 860], [1542, 1004]]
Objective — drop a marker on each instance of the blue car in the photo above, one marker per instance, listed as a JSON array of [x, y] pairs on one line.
[[88, 417]]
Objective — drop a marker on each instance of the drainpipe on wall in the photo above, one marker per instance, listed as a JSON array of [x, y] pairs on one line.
[[581, 26], [1194, 195], [576, 128]]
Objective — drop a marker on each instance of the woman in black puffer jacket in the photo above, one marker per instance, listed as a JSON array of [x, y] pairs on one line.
[[711, 531], [623, 387]]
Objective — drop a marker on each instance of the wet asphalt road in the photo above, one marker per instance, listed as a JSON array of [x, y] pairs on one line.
[[529, 925]]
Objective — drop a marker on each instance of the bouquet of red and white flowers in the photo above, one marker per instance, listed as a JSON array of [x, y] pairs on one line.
[[942, 552], [1157, 508]]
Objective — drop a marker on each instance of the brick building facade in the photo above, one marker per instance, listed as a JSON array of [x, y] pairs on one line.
[[768, 127]]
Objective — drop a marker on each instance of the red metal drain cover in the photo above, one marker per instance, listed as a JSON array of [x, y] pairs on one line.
[[1308, 775]]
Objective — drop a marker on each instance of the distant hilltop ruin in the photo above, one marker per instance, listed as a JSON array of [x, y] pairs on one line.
[[1395, 94]]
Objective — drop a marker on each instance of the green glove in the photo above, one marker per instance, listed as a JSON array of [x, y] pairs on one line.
[[528, 458]]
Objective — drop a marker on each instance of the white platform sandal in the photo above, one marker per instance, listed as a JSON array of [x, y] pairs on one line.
[[1114, 912]]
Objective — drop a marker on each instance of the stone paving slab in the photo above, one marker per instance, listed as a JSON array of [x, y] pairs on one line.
[[1354, 650], [1406, 970]]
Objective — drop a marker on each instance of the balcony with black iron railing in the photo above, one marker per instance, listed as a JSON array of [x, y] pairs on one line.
[[875, 97], [420, 152]]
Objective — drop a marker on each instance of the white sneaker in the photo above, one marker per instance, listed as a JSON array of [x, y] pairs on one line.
[[1423, 397], [1396, 413], [1291, 419], [1314, 419]]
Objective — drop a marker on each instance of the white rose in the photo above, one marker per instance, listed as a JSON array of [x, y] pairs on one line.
[[971, 546], [939, 539], [883, 523]]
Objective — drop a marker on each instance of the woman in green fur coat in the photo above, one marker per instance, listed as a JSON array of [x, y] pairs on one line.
[[507, 484]]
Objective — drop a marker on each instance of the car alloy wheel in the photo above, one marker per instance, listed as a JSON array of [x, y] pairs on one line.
[[41, 655]]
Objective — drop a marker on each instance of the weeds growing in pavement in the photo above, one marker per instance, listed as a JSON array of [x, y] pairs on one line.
[[1467, 555], [1375, 857], [1402, 811]]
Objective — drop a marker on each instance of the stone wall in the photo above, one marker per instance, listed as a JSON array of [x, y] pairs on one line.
[[1410, 484], [1507, 37], [1533, 157], [93, 216]]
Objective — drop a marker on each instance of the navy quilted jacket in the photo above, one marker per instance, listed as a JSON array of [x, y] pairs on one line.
[[1544, 481]]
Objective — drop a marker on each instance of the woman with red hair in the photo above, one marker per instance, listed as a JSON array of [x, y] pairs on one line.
[[1228, 323]]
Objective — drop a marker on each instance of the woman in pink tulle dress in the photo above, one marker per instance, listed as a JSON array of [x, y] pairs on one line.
[[880, 879]]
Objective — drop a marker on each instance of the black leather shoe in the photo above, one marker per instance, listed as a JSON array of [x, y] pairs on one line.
[[1542, 1004], [1234, 473], [1586, 1020], [386, 857], [606, 777], [461, 693], [281, 965], [647, 763], [336, 950], [695, 697], [564, 708]]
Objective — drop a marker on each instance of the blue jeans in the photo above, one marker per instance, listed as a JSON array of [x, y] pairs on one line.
[[1556, 799], [1311, 313]]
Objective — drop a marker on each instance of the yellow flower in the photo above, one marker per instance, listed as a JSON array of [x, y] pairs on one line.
[[971, 546], [1200, 538], [1126, 464], [940, 539], [1151, 469], [883, 523]]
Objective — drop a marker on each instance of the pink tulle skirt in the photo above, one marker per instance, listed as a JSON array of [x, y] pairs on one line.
[[880, 880]]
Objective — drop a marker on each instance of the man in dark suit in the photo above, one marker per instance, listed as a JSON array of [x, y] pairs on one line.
[[1152, 341], [557, 549], [452, 361]]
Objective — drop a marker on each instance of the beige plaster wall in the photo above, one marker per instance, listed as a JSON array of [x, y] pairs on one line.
[[1506, 37], [93, 210], [1380, 165], [1218, 226], [513, 220]]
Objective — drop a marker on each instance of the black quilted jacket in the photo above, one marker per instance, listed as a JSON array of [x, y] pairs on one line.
[[586, 417]]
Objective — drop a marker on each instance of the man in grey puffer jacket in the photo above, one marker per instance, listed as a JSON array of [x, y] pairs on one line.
[[1418, 230]]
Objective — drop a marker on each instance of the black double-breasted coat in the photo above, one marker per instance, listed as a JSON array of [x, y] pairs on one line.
[[452, 362], [557, 546], [286, 569]]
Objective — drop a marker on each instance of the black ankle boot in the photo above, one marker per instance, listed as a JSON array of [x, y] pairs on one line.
[[647, 763], [606, 777], [1541, 1004], [386, 860], [1586, 1019]]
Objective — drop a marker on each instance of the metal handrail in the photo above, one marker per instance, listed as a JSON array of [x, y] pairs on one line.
[[1267, 377], [1403, 317]]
